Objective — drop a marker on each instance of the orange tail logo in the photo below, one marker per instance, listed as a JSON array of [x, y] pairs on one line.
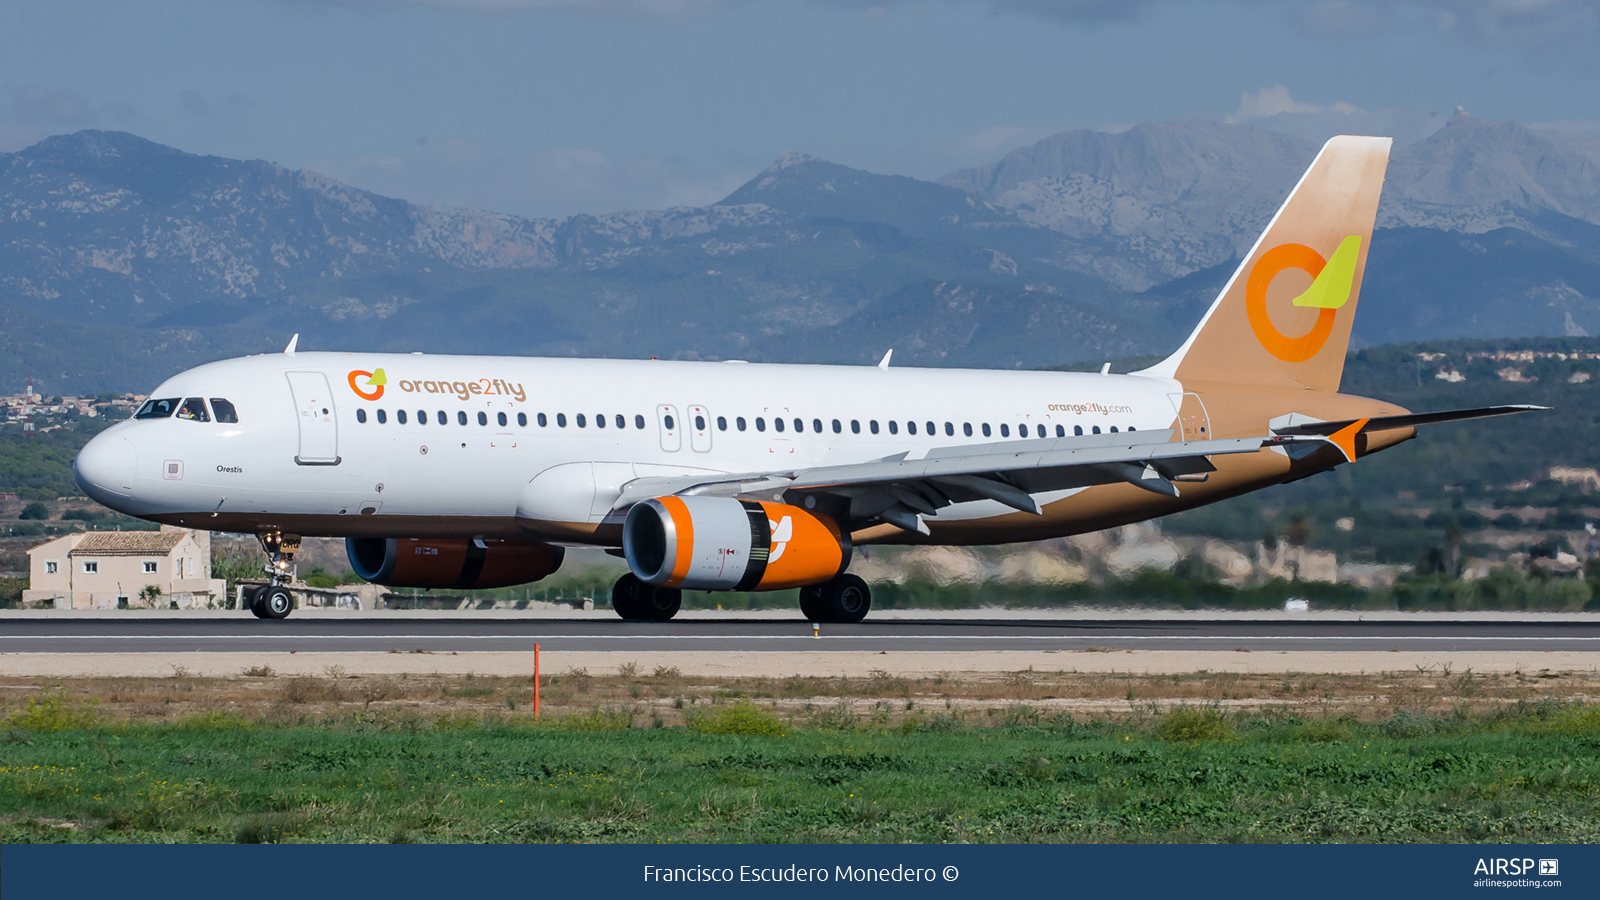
[[1330, 290]]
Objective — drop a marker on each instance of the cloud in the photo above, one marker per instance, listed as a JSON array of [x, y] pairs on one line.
[[1276, 109], [931, 159], [545, 183], [32, 104], [195, 104], [1075, 12], [1586, 127]]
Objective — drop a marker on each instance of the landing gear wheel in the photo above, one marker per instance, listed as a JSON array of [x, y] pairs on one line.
[[846, 599], [252, 600], [636, 601], [812, 606], [660, 604], [275, 603]]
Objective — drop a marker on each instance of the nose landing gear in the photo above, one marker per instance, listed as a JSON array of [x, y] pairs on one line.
[[273, 599]]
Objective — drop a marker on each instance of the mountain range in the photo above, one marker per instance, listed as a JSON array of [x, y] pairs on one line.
[[122, 260]]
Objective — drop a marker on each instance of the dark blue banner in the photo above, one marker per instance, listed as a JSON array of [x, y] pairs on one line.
[[312, 872]]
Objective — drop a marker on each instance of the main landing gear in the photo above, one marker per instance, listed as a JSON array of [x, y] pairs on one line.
[[845, 599], [636, 601], [273, 599]]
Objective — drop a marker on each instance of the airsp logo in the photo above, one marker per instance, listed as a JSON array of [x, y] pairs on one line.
[[1330, 290]]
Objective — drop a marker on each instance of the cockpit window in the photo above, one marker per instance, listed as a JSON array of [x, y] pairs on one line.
[[157, 409], [224, 411], [194, 409]]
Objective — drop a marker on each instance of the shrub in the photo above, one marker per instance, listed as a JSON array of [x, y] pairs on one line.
[[608, 719], [35, 510], [40, 714], [741, 718], [1189, 724]]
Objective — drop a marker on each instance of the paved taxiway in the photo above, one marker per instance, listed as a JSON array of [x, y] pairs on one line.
[[485, 634]]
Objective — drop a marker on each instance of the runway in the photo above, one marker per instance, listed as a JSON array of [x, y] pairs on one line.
[[486, 634]]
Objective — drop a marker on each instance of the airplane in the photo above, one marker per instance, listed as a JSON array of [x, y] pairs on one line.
[[479, 471]]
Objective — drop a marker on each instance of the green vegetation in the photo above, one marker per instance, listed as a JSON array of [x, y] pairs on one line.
[[1522, 773]]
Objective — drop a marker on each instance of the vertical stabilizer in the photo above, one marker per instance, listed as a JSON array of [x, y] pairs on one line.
[[1283, 319]]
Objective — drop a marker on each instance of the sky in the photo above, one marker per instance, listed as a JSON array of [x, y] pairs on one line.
[[560, 107]]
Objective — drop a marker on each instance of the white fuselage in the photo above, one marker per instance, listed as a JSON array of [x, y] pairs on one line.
[[301, 457]]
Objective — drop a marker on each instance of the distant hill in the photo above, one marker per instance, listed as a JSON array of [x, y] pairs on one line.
[[123, 261]]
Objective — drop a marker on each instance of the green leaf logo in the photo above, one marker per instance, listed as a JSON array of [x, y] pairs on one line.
[[1331, 289]]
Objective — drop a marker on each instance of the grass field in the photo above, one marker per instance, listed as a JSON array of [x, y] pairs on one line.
[[646, 758]]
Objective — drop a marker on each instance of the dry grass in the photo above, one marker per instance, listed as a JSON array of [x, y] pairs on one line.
[[666, 697]]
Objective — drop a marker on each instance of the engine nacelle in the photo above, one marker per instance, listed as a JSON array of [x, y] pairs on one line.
[[719, 543], [451, 563]]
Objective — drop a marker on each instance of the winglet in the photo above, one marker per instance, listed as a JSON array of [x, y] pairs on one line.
[[884, 363], [289, 350], [1345, 438]]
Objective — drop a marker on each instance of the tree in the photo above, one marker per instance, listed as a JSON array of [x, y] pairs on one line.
[[35, 510]]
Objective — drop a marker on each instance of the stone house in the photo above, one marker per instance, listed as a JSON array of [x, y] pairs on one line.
[[111, 569]]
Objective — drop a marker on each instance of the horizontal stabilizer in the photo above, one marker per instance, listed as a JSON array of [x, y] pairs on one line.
[[1410, 420]]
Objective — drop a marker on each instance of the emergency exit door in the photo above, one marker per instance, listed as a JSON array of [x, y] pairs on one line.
[[319, 432]]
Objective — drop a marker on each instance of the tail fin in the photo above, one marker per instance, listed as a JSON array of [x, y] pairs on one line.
[[1283, 319]]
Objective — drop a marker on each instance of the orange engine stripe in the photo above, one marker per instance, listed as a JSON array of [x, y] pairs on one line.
[[683, 524]]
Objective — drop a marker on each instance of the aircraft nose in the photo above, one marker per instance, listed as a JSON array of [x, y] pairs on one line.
[[104, 469]]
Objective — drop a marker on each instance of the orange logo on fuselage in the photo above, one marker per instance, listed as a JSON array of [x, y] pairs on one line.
[[375, 380], [1331, 287]]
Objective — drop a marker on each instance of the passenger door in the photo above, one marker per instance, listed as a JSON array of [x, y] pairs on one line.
[[1193, 422], [314, 409]]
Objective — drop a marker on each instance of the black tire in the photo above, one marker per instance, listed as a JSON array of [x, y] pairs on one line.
[[252, 601], [275, 603], [847, 599], [812, 604], [625, 596], [659, 604]]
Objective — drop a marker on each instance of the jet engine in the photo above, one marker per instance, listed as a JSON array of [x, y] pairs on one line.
[[451, 563], [719, 543]]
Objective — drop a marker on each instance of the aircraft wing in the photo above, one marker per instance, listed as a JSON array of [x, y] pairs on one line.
[[900, 489], [1302, 426]]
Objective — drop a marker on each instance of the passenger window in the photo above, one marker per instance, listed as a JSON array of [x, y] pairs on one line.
[[800, 426], [157, 409], [1097, 429], [622, 421], [816, 425], [194, 409], [932, 430], [1005, 431], [443, 417], [383, 417], [1113, 429], [361, 415], [400, 416], [986, 429], [600, 421], [584, 422], [461, 416], [1039, 430], [522, 420], [837, 427], [665, 420], [777, 424], [699, 423], [873, 425], [894, 427], [501, 418], [1061, 431], [855, 426], [966, 428], [911, 428], [739, 423], [483, 418], [226, 414], [1022, 431], [949, 430], [761, 424], [422, 417], [722, 423], [561, 420], [638, 422], [1077, 430], [1131, 428]]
